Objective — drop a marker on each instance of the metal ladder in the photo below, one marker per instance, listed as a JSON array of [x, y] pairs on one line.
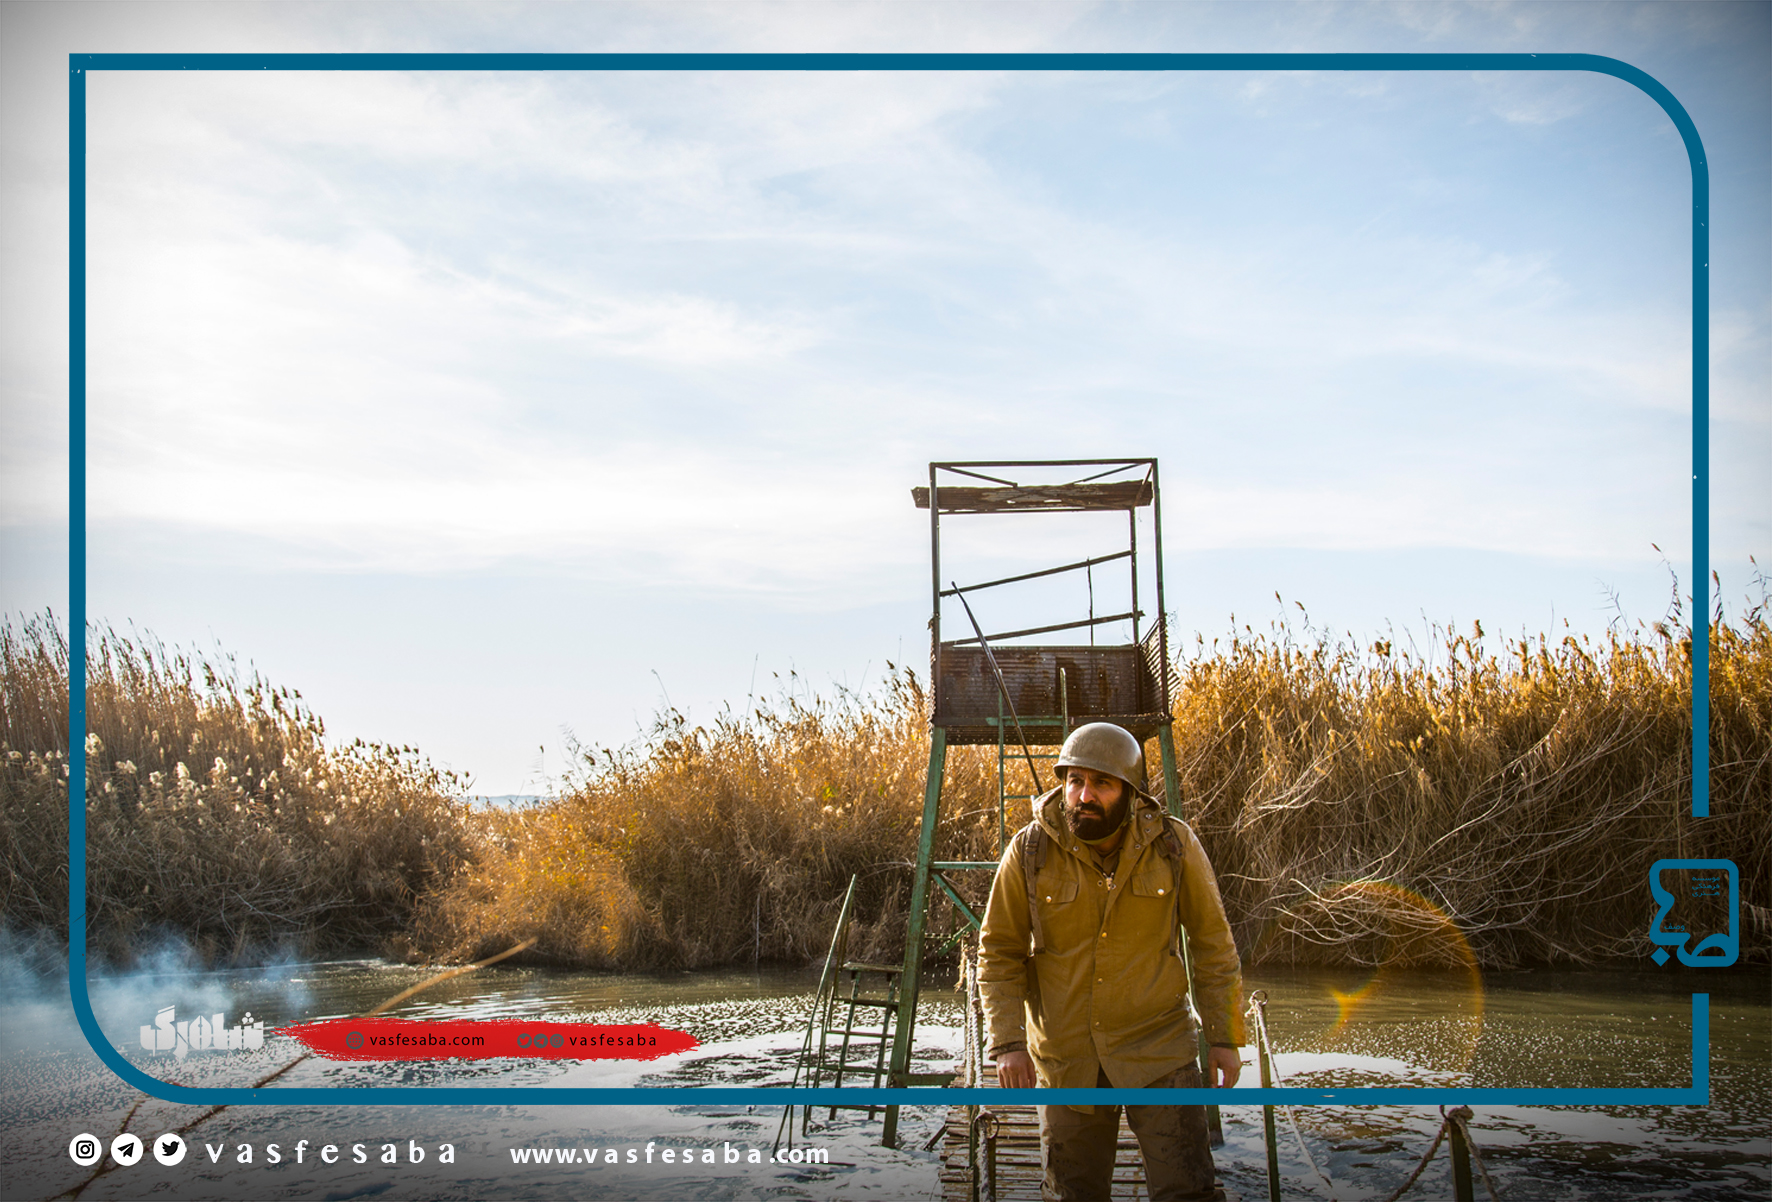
[[834, 1046], [866, 1040]]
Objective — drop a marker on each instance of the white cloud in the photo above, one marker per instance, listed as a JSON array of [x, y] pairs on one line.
[[682, 332], [416, 323]]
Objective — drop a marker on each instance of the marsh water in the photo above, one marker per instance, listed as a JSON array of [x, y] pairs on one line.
[[1573, 1029]]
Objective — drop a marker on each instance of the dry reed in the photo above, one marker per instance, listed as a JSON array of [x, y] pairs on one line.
[[1361, 806], [1354, 802], [727, 843], [216, 814], [1491, 800]]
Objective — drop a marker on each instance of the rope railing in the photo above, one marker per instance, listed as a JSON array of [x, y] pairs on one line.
[[1402, 1189], [974, 1016], [983, 1125], [1461, 1116], [1456, 1122], [1270, 1078], [985, 1130]]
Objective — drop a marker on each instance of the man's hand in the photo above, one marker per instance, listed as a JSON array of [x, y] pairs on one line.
[[1223, 1067], [1015, 1070]]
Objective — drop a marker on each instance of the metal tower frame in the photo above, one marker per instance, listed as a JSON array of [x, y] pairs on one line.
[[1021, 696]]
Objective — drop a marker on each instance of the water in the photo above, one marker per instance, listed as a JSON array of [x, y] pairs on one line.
[[1566, 1029], [1594, 1029]]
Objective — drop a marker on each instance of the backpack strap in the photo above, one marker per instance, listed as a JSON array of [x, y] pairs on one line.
[[1169, 845], [1033, 858]]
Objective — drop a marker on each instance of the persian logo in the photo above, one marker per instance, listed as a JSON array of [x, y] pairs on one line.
[[192, 1035], [1700, 909]]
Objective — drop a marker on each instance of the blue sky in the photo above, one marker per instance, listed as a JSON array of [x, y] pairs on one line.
[[481, 408]]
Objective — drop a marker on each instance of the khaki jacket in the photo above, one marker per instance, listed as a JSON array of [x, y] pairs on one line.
[[1108, 989]]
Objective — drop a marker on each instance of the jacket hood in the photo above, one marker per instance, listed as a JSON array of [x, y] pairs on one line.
[[1049, 809]]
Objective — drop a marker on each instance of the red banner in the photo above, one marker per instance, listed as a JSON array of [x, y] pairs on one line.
[[403, 1039]]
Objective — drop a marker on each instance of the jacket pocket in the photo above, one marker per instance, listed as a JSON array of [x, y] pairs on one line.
[[1152, 899], [1155, 881], [1067, 927], [1055, 892]]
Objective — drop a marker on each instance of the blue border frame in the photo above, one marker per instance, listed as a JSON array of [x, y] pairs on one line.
[[79, 65]]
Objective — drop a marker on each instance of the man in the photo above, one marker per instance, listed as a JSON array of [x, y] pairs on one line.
[[1083, 980]]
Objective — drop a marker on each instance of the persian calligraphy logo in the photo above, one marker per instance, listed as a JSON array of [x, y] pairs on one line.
[[1692, 907], [198, 1034]]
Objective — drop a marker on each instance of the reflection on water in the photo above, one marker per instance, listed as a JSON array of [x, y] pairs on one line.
[[1341, 1029], [1534, 1029], [351, 987]]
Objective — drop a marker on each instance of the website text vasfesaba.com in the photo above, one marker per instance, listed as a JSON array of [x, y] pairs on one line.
[[425, 1039], [635, 1154]]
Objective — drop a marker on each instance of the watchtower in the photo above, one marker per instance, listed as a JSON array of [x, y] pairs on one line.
[[997, 677]]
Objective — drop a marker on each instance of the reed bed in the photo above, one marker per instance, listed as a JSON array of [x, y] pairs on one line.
[[1493, 802], [217, 817], [727, 843], [1496, 801], [1480, 803]]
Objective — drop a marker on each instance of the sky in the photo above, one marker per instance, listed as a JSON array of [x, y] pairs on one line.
[[497, 411]]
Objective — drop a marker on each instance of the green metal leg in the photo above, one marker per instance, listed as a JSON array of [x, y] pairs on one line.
[[973, 922], [1268, 1134], [912, 979], [1171, 781]]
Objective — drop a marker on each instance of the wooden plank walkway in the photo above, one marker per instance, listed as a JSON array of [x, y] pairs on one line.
[[1018, 1155]]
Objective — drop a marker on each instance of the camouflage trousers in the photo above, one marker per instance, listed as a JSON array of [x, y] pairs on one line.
[[1077, 1149]]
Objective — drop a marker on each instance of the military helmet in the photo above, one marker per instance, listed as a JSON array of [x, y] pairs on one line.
[[1103, 747]]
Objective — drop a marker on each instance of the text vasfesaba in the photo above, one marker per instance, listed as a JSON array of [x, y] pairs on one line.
[[332, 1153]]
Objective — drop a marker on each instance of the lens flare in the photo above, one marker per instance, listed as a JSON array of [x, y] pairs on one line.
[[1396, 931]]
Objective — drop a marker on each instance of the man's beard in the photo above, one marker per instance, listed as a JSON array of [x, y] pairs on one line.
[[1090, 824]]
